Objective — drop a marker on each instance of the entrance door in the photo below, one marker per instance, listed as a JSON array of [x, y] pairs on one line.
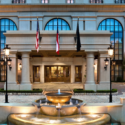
[[57, 74], [78, 74], [36, 73]]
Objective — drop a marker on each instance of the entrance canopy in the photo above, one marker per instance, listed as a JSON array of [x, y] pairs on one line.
[[93, 41]]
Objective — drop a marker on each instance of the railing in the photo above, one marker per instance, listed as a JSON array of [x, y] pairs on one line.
[[96, 1], [119, 1], [70, 1], [18, 1], [44, 1]]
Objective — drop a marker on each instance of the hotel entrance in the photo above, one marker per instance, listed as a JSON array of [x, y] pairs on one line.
[[57, 73]]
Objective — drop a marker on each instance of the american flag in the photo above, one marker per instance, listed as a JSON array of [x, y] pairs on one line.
[[57, 40], [37, 36]]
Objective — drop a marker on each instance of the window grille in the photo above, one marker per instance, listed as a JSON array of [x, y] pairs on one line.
[[70, 1], [96, 1], [18, 1], [116, 40], [44, 1], [119, 1], [62, 24]]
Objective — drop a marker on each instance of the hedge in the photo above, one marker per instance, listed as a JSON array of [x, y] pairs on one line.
[[22, 91], [91, 91]]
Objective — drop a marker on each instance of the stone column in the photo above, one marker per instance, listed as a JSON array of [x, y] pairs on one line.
[[12, 74], [25, 84], [72, 73], [104, 76], [42, 74], [90, 82]]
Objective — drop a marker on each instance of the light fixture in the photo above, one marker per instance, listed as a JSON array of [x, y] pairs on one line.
[[113, 62], [106, 61], [110, 51], [7, 50], [9, 64], [20, 65], [2, 62]]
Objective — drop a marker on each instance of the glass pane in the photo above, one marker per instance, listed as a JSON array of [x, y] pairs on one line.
[[112, 21], [116, 22], [116, 28], [108, 22], [51, 22], [120, 40], [120, 34], [2, 21], [116, 57], [120, 28], [6, 22], [99, 28], [116, 51], [2, 28], [120, 57], [103, 28], [59, 21], [11, 27], [55, 21], [112, 28], [103, 22], [120, 45], [120, 51], [108, 28]]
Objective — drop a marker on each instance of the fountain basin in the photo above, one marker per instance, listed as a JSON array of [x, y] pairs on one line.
[[58, 97], [66, 109], [84, 119]]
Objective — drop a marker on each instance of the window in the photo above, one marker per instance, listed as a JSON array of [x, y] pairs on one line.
[[116, 40], [96, 1], [119, 1], [18, 1], [70, 1], [5, 25], [52, 25], [44, 1]]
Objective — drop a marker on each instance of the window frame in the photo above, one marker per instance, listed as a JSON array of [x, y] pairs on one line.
[[47, 24]]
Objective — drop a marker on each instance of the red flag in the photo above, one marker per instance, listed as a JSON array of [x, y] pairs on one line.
[[37, 36], [57, 40]]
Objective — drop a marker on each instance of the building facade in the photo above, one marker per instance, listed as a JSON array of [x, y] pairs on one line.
[[101, 23]]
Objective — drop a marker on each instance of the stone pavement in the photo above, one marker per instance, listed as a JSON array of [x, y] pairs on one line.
[[90, 98]]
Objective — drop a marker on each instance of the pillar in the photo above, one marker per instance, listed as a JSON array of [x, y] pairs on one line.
[[72, 73], [42, 74], [25, 83], [90, 82], [12, 74], [104, 75]]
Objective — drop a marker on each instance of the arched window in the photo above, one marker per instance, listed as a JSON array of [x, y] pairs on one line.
[[5, 25], [116, 40], [52, 25]]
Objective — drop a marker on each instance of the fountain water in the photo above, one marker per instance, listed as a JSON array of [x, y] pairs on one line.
[[59, 104]]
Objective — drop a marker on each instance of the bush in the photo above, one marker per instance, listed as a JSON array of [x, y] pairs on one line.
[[106, 91], [83, 91], [23, 91], [91, 91]]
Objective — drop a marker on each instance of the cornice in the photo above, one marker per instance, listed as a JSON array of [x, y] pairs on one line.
[[62, 8]]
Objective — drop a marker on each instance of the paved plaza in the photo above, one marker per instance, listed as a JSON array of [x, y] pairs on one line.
[[89, 98]]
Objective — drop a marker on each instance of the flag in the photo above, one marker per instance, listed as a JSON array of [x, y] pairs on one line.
[[57, 40], [38, 38], [78, 37]]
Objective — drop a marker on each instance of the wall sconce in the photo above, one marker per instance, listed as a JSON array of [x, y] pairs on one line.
[[106, 63], [9, 64], [113, 62], [20, 65]]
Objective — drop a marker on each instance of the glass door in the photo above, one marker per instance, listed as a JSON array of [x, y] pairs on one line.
[[78, 73], [36, 73], [57, 74]]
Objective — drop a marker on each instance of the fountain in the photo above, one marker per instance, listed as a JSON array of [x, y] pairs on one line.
[[57, 109]]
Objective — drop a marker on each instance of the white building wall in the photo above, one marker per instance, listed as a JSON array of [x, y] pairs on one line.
[[24, 24]]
